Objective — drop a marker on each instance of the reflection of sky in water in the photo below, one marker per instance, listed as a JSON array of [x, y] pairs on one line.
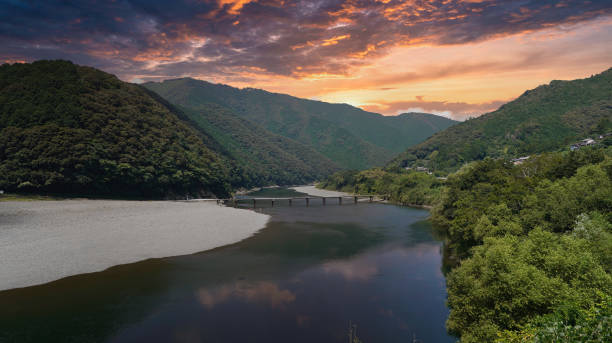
[[262, 292], [302, 279]]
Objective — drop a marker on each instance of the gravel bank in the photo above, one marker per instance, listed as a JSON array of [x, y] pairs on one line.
[[312, 190], [42, 241]]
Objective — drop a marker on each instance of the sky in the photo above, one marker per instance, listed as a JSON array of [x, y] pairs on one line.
[[457, 58]]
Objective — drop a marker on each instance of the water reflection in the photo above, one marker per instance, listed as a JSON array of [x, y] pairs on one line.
[[264, 292], [301, 279], [361, 268]]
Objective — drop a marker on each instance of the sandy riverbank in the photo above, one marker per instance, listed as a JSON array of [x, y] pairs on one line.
[[312, 190], [42, 241]]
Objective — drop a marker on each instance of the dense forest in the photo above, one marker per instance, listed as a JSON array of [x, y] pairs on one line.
[[265, 158], [532, 243], [348, 136], [528, 245], [547, 118], [400, 186], [71, 129], [536, 243], [67, 129]]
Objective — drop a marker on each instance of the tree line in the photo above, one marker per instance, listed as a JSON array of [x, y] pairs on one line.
[[532, 242]]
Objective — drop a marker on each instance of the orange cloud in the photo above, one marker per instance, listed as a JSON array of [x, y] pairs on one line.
[[234, 6], [362, 54], [354, 51], [334, 40], [12, 61]]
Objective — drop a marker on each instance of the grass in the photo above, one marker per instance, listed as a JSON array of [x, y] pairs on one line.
[[25, 197]]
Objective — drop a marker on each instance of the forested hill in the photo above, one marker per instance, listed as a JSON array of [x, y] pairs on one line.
[[264, 158], [421, 121], [350, 137], [71, 129], [528, 247], [547, 118]]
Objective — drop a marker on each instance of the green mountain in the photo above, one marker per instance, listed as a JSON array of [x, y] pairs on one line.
[[265, 158], [547, 118], [71, 129], [350, 137]]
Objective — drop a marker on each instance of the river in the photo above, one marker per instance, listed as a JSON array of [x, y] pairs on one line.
[[303, 278]]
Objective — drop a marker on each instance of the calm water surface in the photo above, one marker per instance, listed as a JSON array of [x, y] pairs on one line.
[[301, 279]]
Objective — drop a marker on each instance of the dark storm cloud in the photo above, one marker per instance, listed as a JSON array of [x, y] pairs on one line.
[[282, 37]]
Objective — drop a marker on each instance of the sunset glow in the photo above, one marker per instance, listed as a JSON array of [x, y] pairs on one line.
[[458, 58]]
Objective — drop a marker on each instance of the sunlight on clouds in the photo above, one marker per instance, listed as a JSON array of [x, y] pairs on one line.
[[481, 74], [462, 57], [234, 5], [334, 40]]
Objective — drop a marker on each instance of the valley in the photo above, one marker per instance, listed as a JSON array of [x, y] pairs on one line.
[[511, 237]]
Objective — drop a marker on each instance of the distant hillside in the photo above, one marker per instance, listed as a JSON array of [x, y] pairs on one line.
[[71, 129], [265, 158], [350, 137], [547, 118], [420, 122]]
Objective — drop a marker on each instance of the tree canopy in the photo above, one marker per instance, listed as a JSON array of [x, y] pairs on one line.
[[348, 136], [71, 129], [547, 118], [534, 239], [528, 247]]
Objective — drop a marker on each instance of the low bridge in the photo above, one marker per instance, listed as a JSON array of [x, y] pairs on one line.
[[307, 200]]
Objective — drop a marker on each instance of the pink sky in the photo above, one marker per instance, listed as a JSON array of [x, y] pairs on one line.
[[458, 58]]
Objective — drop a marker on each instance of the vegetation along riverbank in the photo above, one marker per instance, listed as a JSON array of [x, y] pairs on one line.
[[534, 242], [430, 171]]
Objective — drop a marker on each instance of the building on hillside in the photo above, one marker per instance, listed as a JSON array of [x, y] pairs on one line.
[[420, 169], [584, 142], [520, 160]]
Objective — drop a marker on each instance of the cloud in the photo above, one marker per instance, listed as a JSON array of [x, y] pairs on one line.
[[454, 110], [231, 38]]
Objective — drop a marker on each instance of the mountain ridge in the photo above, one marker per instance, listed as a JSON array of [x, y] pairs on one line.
[[110, 130], [546, 118], [266, 158], [349, 136]]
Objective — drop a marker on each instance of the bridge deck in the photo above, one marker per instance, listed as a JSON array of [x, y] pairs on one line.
[[354, 199]]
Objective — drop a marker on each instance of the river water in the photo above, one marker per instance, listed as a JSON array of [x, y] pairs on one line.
[[303, 278]]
